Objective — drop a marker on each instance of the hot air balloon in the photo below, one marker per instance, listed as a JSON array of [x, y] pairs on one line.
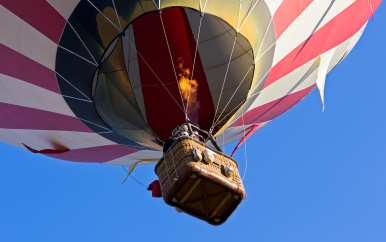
[[108, 81]]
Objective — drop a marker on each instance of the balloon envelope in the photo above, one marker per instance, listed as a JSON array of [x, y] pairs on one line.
[[108, 81]]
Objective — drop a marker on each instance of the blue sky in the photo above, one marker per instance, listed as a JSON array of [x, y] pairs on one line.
[[311, 176]]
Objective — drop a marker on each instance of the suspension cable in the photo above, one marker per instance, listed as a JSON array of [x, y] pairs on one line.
[[227, 69], [140, 183], [249, 13], [194, 59], [139, 54], [235, 108], [225, 77], [147, 64], [171, 60], [103, 15], [250, 68], [116, 13], [247, 97], [245, 147]]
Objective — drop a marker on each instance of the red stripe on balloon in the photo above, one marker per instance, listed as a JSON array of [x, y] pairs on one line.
[[252, 130], [271, 110], [95, 154], [162, 112], [287, 12], [46, 151], [18, 66], [40, 15], [336, 31], [18, 117]]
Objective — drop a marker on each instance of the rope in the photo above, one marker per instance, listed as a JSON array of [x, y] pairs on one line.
[[115, 9], [147, 64], [156, 6], [226, 71], [103, 15], [57, 73], [128, 39], [152, 132], [230, 99], [225, 77], [82, 42], [235, 108], [194, 59], [171, 60], [250, 68], [245, 99], [249, 13], [94, 64], [246, 159], [371, 8], [139, 54], [238, 19], [194, 63], [79, 99], [94, 124], [134, 178], [257, 93], [245, 147]]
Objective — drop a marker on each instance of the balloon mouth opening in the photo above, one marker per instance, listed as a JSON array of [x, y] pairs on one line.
[[185, 72], [133, 74]]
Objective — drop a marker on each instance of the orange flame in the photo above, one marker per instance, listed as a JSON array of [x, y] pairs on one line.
[[188, 89]]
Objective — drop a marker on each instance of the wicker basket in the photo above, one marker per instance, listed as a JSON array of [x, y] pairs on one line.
[[201, 189]]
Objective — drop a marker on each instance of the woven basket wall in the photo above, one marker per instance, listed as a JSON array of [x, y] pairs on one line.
[[172, 165]]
